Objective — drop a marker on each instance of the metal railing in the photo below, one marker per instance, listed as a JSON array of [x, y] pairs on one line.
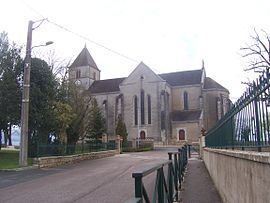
[[79, 148], [168, 181], [246, 124]]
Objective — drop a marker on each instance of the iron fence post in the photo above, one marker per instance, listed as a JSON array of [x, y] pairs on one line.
[[170, 181], [138, 188], [189, 154], [160, 186], [257, 124]]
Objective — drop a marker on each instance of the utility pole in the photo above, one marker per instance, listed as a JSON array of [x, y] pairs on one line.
[[25, 99]]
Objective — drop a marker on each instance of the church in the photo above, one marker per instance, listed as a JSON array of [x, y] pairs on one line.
[[169, 107]]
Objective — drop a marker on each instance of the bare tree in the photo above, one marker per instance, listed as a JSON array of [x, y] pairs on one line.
[[57, 64], [258, 52]]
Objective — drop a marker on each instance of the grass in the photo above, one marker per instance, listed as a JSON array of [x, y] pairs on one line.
[[9, 159]]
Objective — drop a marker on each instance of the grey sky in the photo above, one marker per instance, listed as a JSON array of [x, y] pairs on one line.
[[167, 35]]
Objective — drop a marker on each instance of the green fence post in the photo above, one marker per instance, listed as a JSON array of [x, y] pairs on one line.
[[257, 124], [139, 188]]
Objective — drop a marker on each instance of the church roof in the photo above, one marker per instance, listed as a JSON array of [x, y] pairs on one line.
[[84, 59], [209, 83], [174, 79], [105, 86], [183, 78], [186, 115]]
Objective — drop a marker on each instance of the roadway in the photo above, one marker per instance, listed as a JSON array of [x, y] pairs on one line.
[[105, 180]]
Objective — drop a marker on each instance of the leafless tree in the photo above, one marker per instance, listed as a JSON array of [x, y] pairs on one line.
[[258, 52], [57, 64]]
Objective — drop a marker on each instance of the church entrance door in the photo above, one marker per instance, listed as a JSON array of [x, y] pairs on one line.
[[182, 134], [142, 135]]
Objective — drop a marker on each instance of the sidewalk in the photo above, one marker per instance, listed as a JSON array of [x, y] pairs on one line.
[[198, 186]]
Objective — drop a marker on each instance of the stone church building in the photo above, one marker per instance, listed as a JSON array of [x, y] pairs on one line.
[[169, 107]]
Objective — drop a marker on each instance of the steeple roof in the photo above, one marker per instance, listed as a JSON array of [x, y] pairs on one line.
[[84, 59]]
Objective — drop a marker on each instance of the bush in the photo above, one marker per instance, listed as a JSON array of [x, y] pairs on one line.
[[130, 149]]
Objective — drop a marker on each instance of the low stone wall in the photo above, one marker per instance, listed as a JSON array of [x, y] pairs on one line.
[[239, 176], [45, 162]]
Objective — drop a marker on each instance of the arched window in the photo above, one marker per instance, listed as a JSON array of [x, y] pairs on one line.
[[142, 108], [185, 101], [105, 110], [135, 110], [149, 108], [218, 108], [94, 75], [78, 73]]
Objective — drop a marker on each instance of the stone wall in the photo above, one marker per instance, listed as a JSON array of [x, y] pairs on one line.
[[194, 92], [53, 161], [210, 106], [192, 130], [239, 176]]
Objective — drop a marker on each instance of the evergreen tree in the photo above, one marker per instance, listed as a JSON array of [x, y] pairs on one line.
[[97, 122], [42, 120], [121, 129], [11, 65]]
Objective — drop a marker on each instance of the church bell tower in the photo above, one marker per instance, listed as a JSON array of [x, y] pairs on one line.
[[84, 71]]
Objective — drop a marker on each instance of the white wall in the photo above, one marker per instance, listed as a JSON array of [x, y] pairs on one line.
[[239, 176]]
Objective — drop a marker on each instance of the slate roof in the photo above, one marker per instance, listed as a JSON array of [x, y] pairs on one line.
[[105, 86], [186, 115], [183, 78], [209, 83], [84, 59], [174, 79]]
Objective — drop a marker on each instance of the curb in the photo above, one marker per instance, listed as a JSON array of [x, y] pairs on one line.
[[21, 168]]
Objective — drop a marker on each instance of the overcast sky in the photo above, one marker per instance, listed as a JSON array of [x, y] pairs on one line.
[[168, 35]]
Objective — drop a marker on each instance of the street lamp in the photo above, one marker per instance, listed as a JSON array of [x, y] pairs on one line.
[[25, 96]]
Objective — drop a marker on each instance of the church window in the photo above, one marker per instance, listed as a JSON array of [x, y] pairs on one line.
[[181, 134], [142, 108], [149, 108], [105, 109], [185, 101], [118, 105], [135, 110], [78, 73], [218, 108], [94, 75]]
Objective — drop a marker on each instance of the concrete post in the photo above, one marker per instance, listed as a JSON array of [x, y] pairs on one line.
[[104, 138], [118, 143], [25, 99], [202, 143]]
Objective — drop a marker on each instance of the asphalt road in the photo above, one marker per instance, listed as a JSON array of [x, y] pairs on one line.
[[105, 180]]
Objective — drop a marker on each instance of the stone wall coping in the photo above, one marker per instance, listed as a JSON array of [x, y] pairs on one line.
[[262, 157], [75, 155]]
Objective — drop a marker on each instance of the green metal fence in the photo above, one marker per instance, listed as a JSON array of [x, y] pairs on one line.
[[79, 148], [246, 124], [168, 181]]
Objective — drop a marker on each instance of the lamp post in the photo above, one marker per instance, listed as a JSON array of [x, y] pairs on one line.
[[25, 96]]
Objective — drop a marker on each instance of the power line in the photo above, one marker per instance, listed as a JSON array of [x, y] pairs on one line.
[[79, 35], [91, 41], [33, 9]]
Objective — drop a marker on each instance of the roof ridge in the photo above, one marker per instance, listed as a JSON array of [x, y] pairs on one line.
[[112, 79], [181, 71]]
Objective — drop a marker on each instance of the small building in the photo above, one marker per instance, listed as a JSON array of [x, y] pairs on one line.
[[169, 107]]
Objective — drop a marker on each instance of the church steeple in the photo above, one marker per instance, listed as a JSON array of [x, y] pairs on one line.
[[203, 64], [84, 59], [84, 70]]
